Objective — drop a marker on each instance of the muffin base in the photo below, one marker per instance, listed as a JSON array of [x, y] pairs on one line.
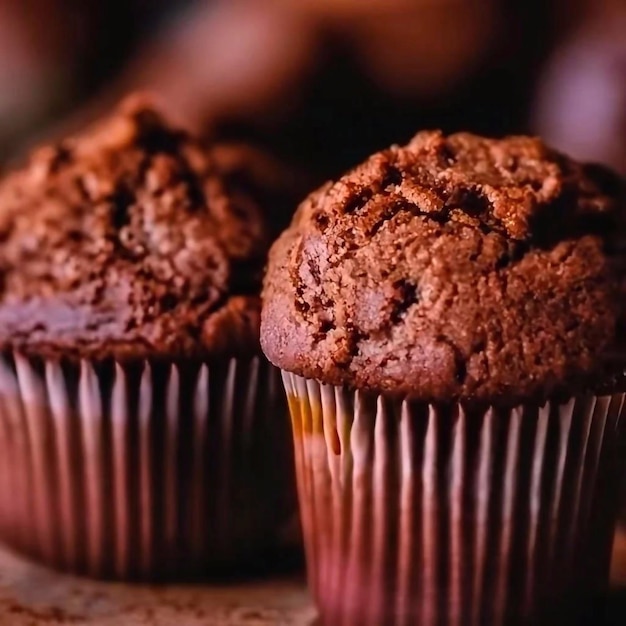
[[148, 470], [422, 514]]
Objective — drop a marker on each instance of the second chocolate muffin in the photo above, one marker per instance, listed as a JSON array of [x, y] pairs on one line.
[[140, 430], [449, 319]]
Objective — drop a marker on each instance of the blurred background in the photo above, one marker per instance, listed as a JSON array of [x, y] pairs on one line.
[[322, 83]]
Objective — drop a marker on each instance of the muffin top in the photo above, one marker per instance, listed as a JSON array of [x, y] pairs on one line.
[[453, 268], [129, 241]]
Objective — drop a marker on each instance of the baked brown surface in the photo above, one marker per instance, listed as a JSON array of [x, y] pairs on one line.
[[128, 241], [453, 268]]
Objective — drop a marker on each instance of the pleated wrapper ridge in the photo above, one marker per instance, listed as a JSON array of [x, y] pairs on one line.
[[414, 513], [146, 470]]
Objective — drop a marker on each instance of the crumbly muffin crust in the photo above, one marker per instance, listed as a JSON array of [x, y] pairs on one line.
[[128, 242], [455, 267]]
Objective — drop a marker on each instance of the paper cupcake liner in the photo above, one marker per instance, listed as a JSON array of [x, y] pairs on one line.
[[422, 514], [146, 470]]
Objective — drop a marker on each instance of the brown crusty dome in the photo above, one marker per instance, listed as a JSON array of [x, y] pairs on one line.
[[129, 241], [455, 267]]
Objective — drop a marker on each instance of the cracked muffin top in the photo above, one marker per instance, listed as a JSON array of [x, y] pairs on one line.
[[129, 241], [453, 268]]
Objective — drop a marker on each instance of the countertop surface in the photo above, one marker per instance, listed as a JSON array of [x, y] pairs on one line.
[[34, 596]]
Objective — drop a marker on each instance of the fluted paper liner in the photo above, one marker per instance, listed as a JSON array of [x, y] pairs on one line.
[[418, 514], [142, 471]]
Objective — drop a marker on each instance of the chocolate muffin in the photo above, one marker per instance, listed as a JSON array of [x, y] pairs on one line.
[[449, 320], [134, 395]]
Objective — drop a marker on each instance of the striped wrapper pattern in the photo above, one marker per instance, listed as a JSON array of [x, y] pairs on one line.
[[430, 515]]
